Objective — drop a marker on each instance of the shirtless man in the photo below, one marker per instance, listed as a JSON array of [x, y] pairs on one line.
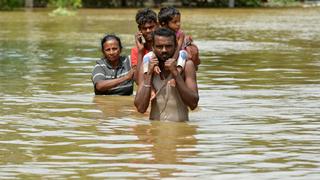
[[173, 98]]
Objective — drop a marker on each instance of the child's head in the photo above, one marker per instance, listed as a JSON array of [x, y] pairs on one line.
[[147, 22], [144, 16], [169, 17]]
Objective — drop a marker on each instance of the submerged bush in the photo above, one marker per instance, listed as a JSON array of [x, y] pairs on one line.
[[70, 4], [281, 3], [65, 7]]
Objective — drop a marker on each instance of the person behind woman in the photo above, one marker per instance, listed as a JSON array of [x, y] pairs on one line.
[[112, 74], [146, 20]]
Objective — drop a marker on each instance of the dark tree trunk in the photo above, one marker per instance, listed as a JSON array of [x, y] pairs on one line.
[[231, 3], [124, 3], [28, 3]]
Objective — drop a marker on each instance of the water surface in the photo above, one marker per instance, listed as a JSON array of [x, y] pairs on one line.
[[258, 115]]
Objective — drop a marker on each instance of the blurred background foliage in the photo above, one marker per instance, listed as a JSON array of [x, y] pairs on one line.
[[12, 4]]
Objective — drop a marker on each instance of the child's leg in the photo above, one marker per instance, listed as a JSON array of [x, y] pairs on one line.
[[193, 53], [183, 56], [146, 61]]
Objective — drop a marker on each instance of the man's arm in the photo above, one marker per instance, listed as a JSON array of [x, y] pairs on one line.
[[143, 95], [187, 87], [138, 55]]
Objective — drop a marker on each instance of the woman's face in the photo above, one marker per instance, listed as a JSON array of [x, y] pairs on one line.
[[111, 50]]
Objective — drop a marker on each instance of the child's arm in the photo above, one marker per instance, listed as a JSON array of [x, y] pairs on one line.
[[180, 40], [146, 60]]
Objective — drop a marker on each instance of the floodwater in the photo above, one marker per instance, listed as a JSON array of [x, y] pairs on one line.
[[258, 115]]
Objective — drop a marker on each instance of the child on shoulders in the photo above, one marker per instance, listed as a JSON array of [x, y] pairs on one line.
[[170, 17]]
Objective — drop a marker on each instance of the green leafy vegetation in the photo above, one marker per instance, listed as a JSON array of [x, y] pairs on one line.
[[69, 4], [10, 4], [281, 3], [63, 6]]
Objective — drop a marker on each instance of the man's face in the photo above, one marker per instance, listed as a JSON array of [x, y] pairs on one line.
[[147, 29], [164, 47]]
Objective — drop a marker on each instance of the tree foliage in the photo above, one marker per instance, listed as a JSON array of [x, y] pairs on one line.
[[74, 4], [10, 4]]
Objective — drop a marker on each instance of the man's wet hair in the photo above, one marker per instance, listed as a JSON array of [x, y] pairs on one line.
[[108, 37], [162, 31], [146, 15], [166, 14]]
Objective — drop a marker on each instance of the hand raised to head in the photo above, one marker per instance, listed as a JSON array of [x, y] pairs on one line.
[[171, 65], [154, 62], [138, 39]]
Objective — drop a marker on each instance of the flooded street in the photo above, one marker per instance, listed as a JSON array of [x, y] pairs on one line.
[[258, 114]]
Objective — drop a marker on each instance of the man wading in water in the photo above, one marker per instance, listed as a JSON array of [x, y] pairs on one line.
[[172, 98]]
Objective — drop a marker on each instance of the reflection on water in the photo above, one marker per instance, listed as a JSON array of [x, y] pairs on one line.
[[115, 106], [258, 114]]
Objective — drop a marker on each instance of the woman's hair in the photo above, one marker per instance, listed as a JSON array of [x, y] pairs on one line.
[[109, 37], [166, 14], [145, 15], [162, 31]]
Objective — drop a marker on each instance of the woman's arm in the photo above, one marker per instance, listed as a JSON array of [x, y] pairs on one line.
[[105, 85]]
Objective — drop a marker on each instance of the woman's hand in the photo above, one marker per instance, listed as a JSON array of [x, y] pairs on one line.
[[130, 74]]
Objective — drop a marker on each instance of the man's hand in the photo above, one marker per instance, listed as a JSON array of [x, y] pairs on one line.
[[171, 65], [152, 64], [139, 43]]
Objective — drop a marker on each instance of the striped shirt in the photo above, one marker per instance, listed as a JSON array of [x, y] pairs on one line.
[[104, 71]]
